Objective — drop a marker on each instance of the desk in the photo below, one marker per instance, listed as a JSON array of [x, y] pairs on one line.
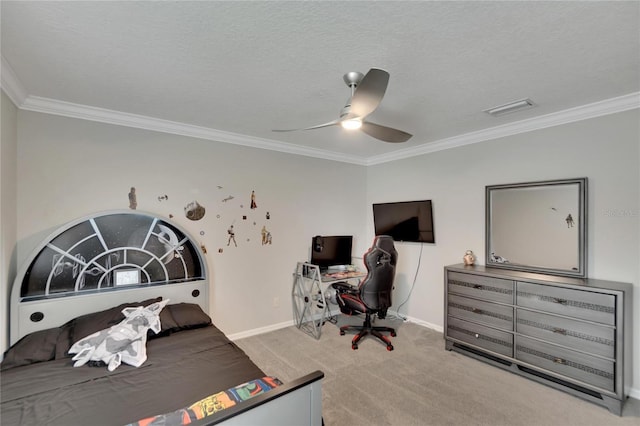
[[310, 306]]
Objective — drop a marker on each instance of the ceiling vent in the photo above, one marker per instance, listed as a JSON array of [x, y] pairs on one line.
[[510, 107]]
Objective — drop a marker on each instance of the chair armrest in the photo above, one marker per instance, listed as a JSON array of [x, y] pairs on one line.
[[345, 287]]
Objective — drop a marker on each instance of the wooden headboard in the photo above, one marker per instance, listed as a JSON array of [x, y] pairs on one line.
[[101, 261]]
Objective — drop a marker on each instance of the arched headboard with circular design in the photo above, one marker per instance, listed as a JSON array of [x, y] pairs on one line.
[[101, 261]]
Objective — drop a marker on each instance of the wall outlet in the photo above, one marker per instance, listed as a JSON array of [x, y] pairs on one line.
[[276, 302]]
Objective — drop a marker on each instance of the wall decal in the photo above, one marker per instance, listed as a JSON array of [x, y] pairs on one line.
[[194, 211], [201, 232], [229, 198], [203, 248], [253, 200], [220, 250], [268, 216], [232, 236], [266, 236], [133, 201], [244, 217], [570, 221], [163, 197], [169, 240]]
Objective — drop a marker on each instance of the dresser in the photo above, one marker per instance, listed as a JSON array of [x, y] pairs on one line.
[[571, 334]]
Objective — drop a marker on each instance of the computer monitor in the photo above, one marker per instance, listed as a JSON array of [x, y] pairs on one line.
[[328, 251]]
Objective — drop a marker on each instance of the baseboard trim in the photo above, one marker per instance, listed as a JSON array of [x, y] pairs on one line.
[[426, 324], [261, 330]]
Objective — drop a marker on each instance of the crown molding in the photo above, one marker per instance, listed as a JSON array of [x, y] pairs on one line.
[[584, 112], [84, 112], [10, 84], [102, 115]]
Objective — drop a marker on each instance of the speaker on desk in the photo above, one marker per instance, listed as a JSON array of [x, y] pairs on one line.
[[330, 295], [317, 244]]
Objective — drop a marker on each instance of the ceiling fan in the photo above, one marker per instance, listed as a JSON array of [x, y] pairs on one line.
[[367, 92]]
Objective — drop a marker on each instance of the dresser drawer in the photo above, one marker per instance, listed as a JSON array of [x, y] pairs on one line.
[[586, 337], [580, 304], [485, 337], [585, 368], [488, 313], [487, 288]]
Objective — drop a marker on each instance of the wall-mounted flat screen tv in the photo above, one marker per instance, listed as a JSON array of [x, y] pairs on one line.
[[328, 251], [410, 221]]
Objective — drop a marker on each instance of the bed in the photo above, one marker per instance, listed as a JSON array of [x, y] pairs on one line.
[[69, 289]]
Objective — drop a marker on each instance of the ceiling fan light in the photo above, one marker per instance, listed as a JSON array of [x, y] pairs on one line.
[[351, 124]]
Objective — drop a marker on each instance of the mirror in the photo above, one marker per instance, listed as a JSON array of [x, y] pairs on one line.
[[538, 227]]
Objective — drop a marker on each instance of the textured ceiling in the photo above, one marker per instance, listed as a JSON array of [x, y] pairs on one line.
[[245, 68]]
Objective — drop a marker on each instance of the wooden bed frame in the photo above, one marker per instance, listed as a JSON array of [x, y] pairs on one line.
[[298, 402]]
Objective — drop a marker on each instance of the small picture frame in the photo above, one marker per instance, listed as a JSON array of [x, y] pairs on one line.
[[126, 277]]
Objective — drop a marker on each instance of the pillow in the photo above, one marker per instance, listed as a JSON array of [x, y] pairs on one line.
[[88, 324], [187, 316], [64, 341], [168, 324], [35, 347]]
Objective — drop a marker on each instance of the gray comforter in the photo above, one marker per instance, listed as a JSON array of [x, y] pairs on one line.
[[181, 368]]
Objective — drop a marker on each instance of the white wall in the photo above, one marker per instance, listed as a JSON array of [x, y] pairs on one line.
[[605, 150], [8, 210], [70, 168]]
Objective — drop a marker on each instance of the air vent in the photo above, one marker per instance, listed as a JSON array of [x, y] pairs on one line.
[[510, 107]]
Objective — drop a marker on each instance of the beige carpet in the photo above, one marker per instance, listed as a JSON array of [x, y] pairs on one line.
[[418, 383]]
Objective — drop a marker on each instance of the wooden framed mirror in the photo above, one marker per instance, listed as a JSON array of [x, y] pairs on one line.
[[538, 227]]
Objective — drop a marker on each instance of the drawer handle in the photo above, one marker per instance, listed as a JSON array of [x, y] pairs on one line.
[[560, 361], [560, 301], [476, 311], [560, 331], [477, 286]]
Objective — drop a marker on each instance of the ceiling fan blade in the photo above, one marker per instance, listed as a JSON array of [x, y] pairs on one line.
[[384, 133], [369, 92], [331, 123]]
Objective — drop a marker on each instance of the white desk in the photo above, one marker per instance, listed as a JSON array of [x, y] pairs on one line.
[[310, 306]]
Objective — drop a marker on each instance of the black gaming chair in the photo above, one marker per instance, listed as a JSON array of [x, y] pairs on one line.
[[373, 294]]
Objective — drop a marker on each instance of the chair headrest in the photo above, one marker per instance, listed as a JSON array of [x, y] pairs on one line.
[[383, 249]]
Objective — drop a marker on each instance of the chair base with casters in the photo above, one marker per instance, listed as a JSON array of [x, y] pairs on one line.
[[367, 328]]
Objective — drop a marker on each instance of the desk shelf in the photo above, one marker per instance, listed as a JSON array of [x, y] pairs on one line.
[[310, 305]]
